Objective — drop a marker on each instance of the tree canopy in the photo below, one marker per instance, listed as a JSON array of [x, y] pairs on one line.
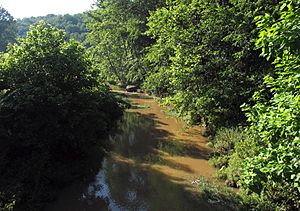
[[73, 24], [229, 65], [118, 40], [204, 60]]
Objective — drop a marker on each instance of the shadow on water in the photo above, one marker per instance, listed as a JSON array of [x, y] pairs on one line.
[[142, 141], [127, 181]]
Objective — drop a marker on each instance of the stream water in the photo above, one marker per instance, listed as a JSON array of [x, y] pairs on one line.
[[151, 167]]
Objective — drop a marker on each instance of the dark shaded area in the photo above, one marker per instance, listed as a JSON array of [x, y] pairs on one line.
[[145, 145], [181, 148], [52, 114]]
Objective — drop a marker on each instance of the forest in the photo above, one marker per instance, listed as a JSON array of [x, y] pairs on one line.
[[230, 66], [73, 25]]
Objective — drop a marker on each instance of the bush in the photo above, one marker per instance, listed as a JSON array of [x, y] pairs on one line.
[[231, 146], [224, 145], [274, 121], [226, 199]]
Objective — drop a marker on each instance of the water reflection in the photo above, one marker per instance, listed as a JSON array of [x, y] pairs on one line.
[[126, 180], [120, 187], [136, 137]]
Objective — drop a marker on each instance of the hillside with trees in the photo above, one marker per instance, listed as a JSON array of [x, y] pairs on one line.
[[8, 30], [73, 24]]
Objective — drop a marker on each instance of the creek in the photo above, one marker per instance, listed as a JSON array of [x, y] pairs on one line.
[[152, 166]]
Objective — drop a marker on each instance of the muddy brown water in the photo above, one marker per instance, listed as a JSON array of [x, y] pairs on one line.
[[151, 167]]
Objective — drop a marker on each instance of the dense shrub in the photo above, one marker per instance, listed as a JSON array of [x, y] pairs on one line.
[[230, 147], [266, 161], [53, 109], [227, 199], [275, 122], [223, 145]]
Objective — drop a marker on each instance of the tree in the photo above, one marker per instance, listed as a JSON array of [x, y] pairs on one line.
[[7, 29], [204, 59], [118, 40], [52, 111]]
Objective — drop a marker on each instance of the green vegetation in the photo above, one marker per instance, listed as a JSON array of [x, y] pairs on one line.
[[7, 29], [266, 160], [275, 120], [204, 58], [73, 24], [231, 146], [118, 40], [230, 200], [53, 109], [230, 65], [204, 61]]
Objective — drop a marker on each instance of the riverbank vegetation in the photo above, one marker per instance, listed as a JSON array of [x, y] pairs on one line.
[[267, 160], [52, 111], [231, 66]]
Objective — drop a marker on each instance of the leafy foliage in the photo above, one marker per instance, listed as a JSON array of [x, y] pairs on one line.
[[230, 200], [204, 58], [198, 55], [275, 122], [224, 144], [51, 112], [231, 146], [117, 38]]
